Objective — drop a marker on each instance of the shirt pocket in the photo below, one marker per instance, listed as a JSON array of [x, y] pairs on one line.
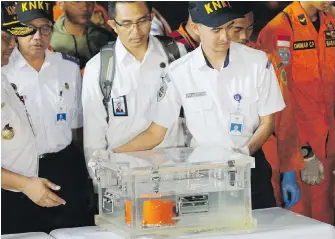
[[246, 107], [200, 113], [71, 104], [128, 108]]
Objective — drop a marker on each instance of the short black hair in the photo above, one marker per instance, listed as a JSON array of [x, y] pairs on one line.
[[112, 7]]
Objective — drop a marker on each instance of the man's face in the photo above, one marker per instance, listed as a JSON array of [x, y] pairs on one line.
[[243, 28], [216, 39], [7, 46], [132, 35], [321, 5], [119, 105], [37, 43], [79, 12]]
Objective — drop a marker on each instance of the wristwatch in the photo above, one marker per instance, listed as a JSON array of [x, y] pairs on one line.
[[306, 151]]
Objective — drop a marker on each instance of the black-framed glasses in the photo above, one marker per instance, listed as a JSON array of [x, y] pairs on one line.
[[141, 22], [44, 30]]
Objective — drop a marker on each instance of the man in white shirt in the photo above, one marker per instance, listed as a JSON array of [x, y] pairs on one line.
[[220, 84], [140, 64], [49, 85], [22, 191]]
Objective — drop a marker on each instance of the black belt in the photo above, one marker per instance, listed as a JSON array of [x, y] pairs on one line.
[[41, 156]]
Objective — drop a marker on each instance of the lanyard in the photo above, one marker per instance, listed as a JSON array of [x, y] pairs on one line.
[[22, 99]]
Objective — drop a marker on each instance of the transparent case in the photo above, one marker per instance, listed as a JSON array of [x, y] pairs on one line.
[[175, 191]]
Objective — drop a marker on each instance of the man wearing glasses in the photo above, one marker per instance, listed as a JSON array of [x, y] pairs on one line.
[[220, 84], [50, 86], [22, 191], [140, 64]]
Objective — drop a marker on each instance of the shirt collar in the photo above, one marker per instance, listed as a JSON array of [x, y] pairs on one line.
[[199, 60], [299, 14], [182, 31], [123, 53], [21, 62]]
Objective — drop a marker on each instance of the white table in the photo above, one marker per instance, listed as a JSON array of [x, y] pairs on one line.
[[30, 235], [273, 223]]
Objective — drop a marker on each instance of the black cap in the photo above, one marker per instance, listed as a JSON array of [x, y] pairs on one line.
[[10, 22], [31, 10], [212, 13]]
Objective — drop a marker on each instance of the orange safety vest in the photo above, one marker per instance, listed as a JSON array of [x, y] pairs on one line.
[[282, 150], [304, 61]]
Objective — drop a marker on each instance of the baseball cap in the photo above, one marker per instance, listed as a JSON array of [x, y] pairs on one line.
[[10, 22], [31, 10], [212, 13]]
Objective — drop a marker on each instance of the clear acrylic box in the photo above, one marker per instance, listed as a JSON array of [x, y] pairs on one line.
[[176, 191]]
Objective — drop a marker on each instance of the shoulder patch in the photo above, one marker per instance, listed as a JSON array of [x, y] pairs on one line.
[[69, 57], [283, 77], [302, 19], [163, 88]]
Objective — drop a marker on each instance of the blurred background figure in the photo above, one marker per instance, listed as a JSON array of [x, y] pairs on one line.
[[75, 34], [159, 25], [186, 35]]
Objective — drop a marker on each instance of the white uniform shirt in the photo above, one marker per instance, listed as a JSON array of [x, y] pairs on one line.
[[43, 98], [207, 95], [139, 82], [18, 154]]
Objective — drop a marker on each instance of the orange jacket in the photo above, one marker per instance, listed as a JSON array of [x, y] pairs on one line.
[[288, 147], [304, 59]]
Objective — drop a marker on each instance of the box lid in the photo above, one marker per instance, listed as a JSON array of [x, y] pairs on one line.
[[175, 159]]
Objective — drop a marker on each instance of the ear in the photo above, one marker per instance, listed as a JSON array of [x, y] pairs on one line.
[[112, 24], [195, 28]]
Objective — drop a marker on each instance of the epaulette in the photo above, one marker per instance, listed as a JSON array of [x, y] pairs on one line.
[[71, 58]]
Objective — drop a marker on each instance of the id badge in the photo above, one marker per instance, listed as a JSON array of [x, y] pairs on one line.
[[120, 106], [61, 118], [236, 124]]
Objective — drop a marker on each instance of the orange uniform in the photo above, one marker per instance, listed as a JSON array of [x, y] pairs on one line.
[[305, 63], [282, 150]]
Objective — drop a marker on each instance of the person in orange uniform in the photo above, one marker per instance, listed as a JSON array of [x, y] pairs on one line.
[[186, 36], [282, 149], [303, 36]]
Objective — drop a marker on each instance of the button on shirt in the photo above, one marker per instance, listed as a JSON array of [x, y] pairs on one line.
[[18, 153], [207, 95], [139, 82], [49, 93]]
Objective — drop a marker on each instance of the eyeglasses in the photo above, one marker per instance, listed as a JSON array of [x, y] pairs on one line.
[[140, 22], [44, 30]]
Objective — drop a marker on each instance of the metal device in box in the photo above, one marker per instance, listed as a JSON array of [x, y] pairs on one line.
[[176, 191]]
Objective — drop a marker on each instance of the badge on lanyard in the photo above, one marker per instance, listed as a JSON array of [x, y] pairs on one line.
[[120, 106], [61, 116], [236, 119]]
